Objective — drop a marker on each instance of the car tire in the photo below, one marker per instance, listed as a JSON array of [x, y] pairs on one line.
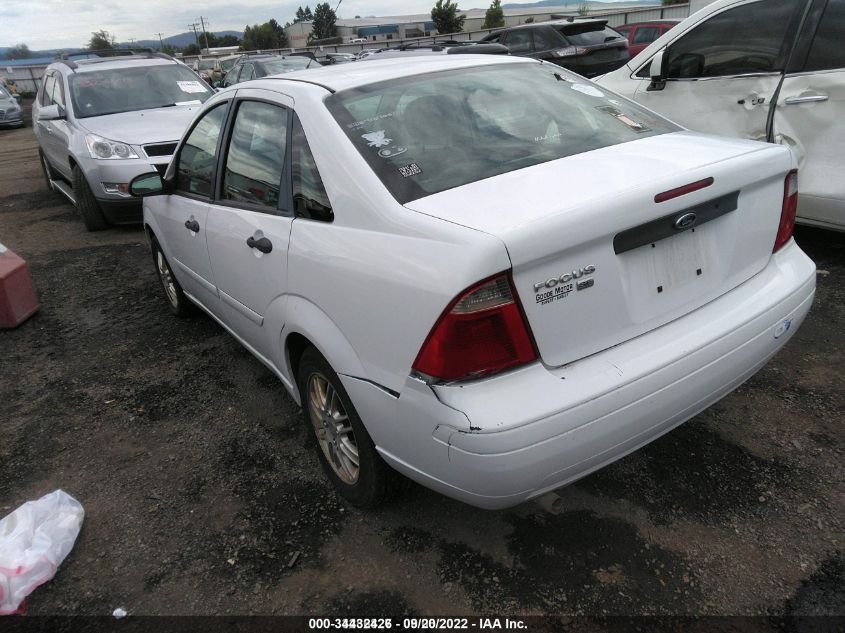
[[46, 170], [86, 203], [324, 398], [178, 303]]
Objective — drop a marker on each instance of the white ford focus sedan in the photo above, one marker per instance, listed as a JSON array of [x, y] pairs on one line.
[[485, 273]]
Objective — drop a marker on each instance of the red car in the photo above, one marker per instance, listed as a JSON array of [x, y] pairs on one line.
[[641, 34]]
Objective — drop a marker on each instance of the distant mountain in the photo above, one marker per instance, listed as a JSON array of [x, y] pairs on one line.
[[182, 40]]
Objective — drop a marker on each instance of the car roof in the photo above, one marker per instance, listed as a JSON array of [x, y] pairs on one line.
[[649, 22], [111, 63], [557, 23], [346, 76]]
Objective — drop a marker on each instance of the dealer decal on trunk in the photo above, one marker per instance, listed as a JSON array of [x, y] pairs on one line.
[[560, 287]]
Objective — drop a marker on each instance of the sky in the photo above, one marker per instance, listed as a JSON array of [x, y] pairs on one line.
[[48, 24]]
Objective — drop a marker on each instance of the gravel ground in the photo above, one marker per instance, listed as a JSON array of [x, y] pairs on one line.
[[202, 497]]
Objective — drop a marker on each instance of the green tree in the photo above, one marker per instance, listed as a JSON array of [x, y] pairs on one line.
[[495, 16], [265, 36], [168, 49], [101, 41], [308, 15], [228, 40], [191, 49], [445, 17], [21, 51], [323, 25]]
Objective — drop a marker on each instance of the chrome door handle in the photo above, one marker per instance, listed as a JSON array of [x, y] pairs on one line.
[[807, 99]]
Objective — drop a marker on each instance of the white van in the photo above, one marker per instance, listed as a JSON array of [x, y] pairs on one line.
[[762, 69]]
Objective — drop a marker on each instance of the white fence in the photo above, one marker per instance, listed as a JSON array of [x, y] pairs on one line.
[[28, 78]]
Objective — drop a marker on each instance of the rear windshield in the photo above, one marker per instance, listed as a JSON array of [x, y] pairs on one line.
[[140, 88], [428, 133], [204, 64], [278, 66], [588, 34]]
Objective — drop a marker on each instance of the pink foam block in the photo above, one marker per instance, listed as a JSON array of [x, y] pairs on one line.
[[17, 295]]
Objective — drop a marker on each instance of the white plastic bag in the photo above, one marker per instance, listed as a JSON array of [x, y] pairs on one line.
[[34, 540]]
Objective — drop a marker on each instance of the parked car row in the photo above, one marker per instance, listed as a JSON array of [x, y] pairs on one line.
[[11, 114]]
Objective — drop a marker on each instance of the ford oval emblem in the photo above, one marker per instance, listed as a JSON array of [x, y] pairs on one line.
[[685, 221]]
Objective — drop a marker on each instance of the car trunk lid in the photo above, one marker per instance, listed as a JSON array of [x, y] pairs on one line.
[[597, 261]]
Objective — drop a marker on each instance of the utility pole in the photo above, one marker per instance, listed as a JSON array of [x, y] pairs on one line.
[[160, 42], [196, 36], [202, 22]]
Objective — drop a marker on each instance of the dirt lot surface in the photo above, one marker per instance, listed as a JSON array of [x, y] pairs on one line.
[[201, 496]]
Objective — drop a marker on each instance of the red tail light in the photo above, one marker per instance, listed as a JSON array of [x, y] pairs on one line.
[[790, 207], [482, 332]]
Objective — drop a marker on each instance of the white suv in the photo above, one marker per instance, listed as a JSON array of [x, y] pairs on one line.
[[483, 272], [102, 120], [770, 70]]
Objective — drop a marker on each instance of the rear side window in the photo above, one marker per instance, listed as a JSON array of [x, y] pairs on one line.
[[546, 39], [588, 34], [519, 41], [433, 132], [646, 34], [751, 38], [309, 196], [828, 49], [195, 171], [256, 156]]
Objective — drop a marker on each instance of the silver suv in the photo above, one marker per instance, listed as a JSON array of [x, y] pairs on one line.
[[101, 121]]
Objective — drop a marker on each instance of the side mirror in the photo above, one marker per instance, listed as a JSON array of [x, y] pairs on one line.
[[16, 97], [658, 82], [51, 113], [145, 185]]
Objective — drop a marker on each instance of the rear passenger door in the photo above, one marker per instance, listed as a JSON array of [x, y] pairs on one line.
[[250, 220], [809, 114], [721, 75]]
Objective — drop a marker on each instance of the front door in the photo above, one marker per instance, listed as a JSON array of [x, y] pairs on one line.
[[722, 75], [809, 113], [249, 224], [183, 216]]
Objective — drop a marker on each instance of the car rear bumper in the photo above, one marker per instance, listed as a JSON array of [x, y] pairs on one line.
[[497, 442]]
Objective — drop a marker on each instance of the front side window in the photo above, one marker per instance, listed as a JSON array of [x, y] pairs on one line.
[[309, 196], [751, 38], [828, 49], [47, 90], [101, 92], [433, 132], [195, 170], [59, 92], [256, 156], [247, 73]]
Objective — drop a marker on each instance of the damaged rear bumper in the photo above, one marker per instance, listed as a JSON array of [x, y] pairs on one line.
[[497, 442]]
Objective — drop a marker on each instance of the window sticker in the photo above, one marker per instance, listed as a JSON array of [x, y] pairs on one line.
[[410, 170], [588, 90], [191, 87], [358, 124], [390, 152], [623, 118], [377, 139]]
